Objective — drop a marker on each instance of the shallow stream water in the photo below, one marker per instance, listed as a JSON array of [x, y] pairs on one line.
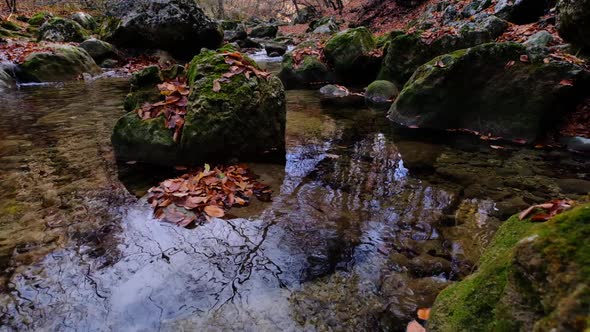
[[368, 222]]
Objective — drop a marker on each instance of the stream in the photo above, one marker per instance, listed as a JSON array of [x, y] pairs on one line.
[[368, 221]]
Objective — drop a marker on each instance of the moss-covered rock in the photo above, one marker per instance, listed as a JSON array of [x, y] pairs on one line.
[[573, 22], [98, 49], [380, 92], [39, 18], [60, 63], [326, 25], [264, 31], [475, 89], [245, 119], [349, 54], [9, 25], [532, 277], [85, 20], [62, 30], [406, 52], [144, 87], [310, 71]]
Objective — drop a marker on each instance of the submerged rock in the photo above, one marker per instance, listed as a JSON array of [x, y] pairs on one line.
[[178, 26], [573, 22], [61, 63], [277, 48], [337, 95], [245, 119], [532, 277], [62, 30], [490, 90], [6, 81]]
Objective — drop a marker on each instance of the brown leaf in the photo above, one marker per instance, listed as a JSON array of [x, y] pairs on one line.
[[524, 58], [566, 82], [510, 64], [439, 64], [214, 211], [216, 86], [414, 326]]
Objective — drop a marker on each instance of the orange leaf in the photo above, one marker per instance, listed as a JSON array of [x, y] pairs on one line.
[[214, 211], [424, 313]]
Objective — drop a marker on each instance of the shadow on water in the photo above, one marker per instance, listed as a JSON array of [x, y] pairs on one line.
[[368, 223]]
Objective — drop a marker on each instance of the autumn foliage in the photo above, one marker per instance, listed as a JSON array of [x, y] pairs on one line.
[[206, 192]]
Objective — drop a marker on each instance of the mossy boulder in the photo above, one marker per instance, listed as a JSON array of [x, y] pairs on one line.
[[310, 71], [60, 63], [326, 25], [381, 92], [405, 53], [532, 277], [98, 49], [349, 53], [264, 31], [143, 88], [62, 30], [245, 119], [573, 22], [178, 26], [85, 20], [39, 18], [476, 89]]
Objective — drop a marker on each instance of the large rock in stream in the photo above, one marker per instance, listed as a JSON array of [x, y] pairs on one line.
[[304, 68], [406, 52], [59, 63], [492, 88], [349, 53], [62, 30], [245, 119], [533, 277], [178, 26]]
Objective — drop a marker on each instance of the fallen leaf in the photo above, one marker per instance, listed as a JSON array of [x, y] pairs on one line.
[[216, 86], [524, 58], [414, 326], [424, 313], [566, 82], [214, 211], [439, 64]]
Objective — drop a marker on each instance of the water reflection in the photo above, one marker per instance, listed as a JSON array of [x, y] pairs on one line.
[[367, 224]]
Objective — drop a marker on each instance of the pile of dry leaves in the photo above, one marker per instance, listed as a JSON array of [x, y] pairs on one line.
[[238, 65], [173, 107], [17, 51], [546, 211], [207, 192], [299, 54]]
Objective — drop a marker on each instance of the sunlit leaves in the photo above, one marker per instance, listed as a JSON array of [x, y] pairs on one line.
[[238, 66]]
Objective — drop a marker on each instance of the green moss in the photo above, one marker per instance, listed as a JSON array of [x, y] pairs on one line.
[[9, 25], [62, 30], [39, 18], [532, 276], [64, 63], [347, 48], [147, 77]]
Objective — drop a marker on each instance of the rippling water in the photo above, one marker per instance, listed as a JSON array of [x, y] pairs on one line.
[[368, 222]]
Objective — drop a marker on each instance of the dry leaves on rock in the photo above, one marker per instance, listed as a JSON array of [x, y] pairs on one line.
[[17, 52], [547, 210], [299, 54], [173, 107], [207, 192], [238, 65]]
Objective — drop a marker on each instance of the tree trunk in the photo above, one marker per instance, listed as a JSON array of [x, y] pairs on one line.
[[220, 9], [296, 6]]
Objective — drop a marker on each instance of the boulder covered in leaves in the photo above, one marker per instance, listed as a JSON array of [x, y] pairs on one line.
[[62, 30], [494, 89], [573, 22], [304, 67], [226, 108], [178, 26], [57, 63], [532, 277], [406, 52], [350, 54]]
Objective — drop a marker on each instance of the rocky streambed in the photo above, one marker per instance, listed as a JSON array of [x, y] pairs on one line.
[[368, 221]]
